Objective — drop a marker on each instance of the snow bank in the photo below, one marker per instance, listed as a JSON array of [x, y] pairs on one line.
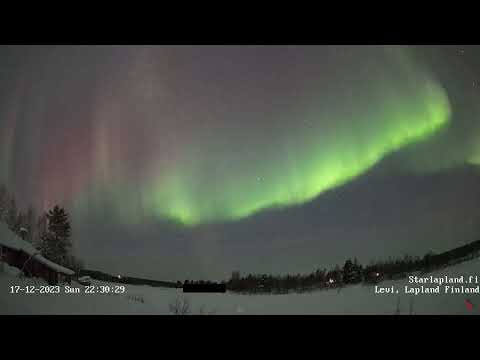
[[9, 270]]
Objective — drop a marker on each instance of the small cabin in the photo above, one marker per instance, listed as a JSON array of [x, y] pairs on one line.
[[21, 254]]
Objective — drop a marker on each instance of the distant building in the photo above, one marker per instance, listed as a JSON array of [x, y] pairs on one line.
[[235, 275]]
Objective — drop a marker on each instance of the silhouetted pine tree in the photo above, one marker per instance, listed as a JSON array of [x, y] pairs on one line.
[[11, 217], [348, 271], [30, 224], [20, 227], [3, 203], [56, 241], [41, 228], [357, 271]]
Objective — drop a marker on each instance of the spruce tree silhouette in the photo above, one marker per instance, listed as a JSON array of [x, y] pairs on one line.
[[57, 239]]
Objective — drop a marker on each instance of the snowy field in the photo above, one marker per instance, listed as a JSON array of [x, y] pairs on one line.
[[358, 299]]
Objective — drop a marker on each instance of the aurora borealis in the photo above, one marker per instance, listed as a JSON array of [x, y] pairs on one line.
[[207, 137], [222, 175], [303, 167]]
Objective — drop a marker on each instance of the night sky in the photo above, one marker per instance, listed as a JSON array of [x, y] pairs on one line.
[[192, 161]]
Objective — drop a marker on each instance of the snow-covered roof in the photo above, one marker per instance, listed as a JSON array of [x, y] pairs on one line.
[[12, 241], [53, 266]]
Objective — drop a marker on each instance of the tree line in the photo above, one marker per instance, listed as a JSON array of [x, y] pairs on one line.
[[49, 232], [352, 272]]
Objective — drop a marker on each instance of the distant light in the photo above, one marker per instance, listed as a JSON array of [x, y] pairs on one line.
[[119, 277], [378, 274]]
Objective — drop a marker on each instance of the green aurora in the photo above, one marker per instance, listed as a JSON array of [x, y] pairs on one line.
[[305, 165], [245, 162]]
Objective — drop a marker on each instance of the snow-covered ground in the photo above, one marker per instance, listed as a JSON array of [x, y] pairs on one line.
[[358, 299]]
